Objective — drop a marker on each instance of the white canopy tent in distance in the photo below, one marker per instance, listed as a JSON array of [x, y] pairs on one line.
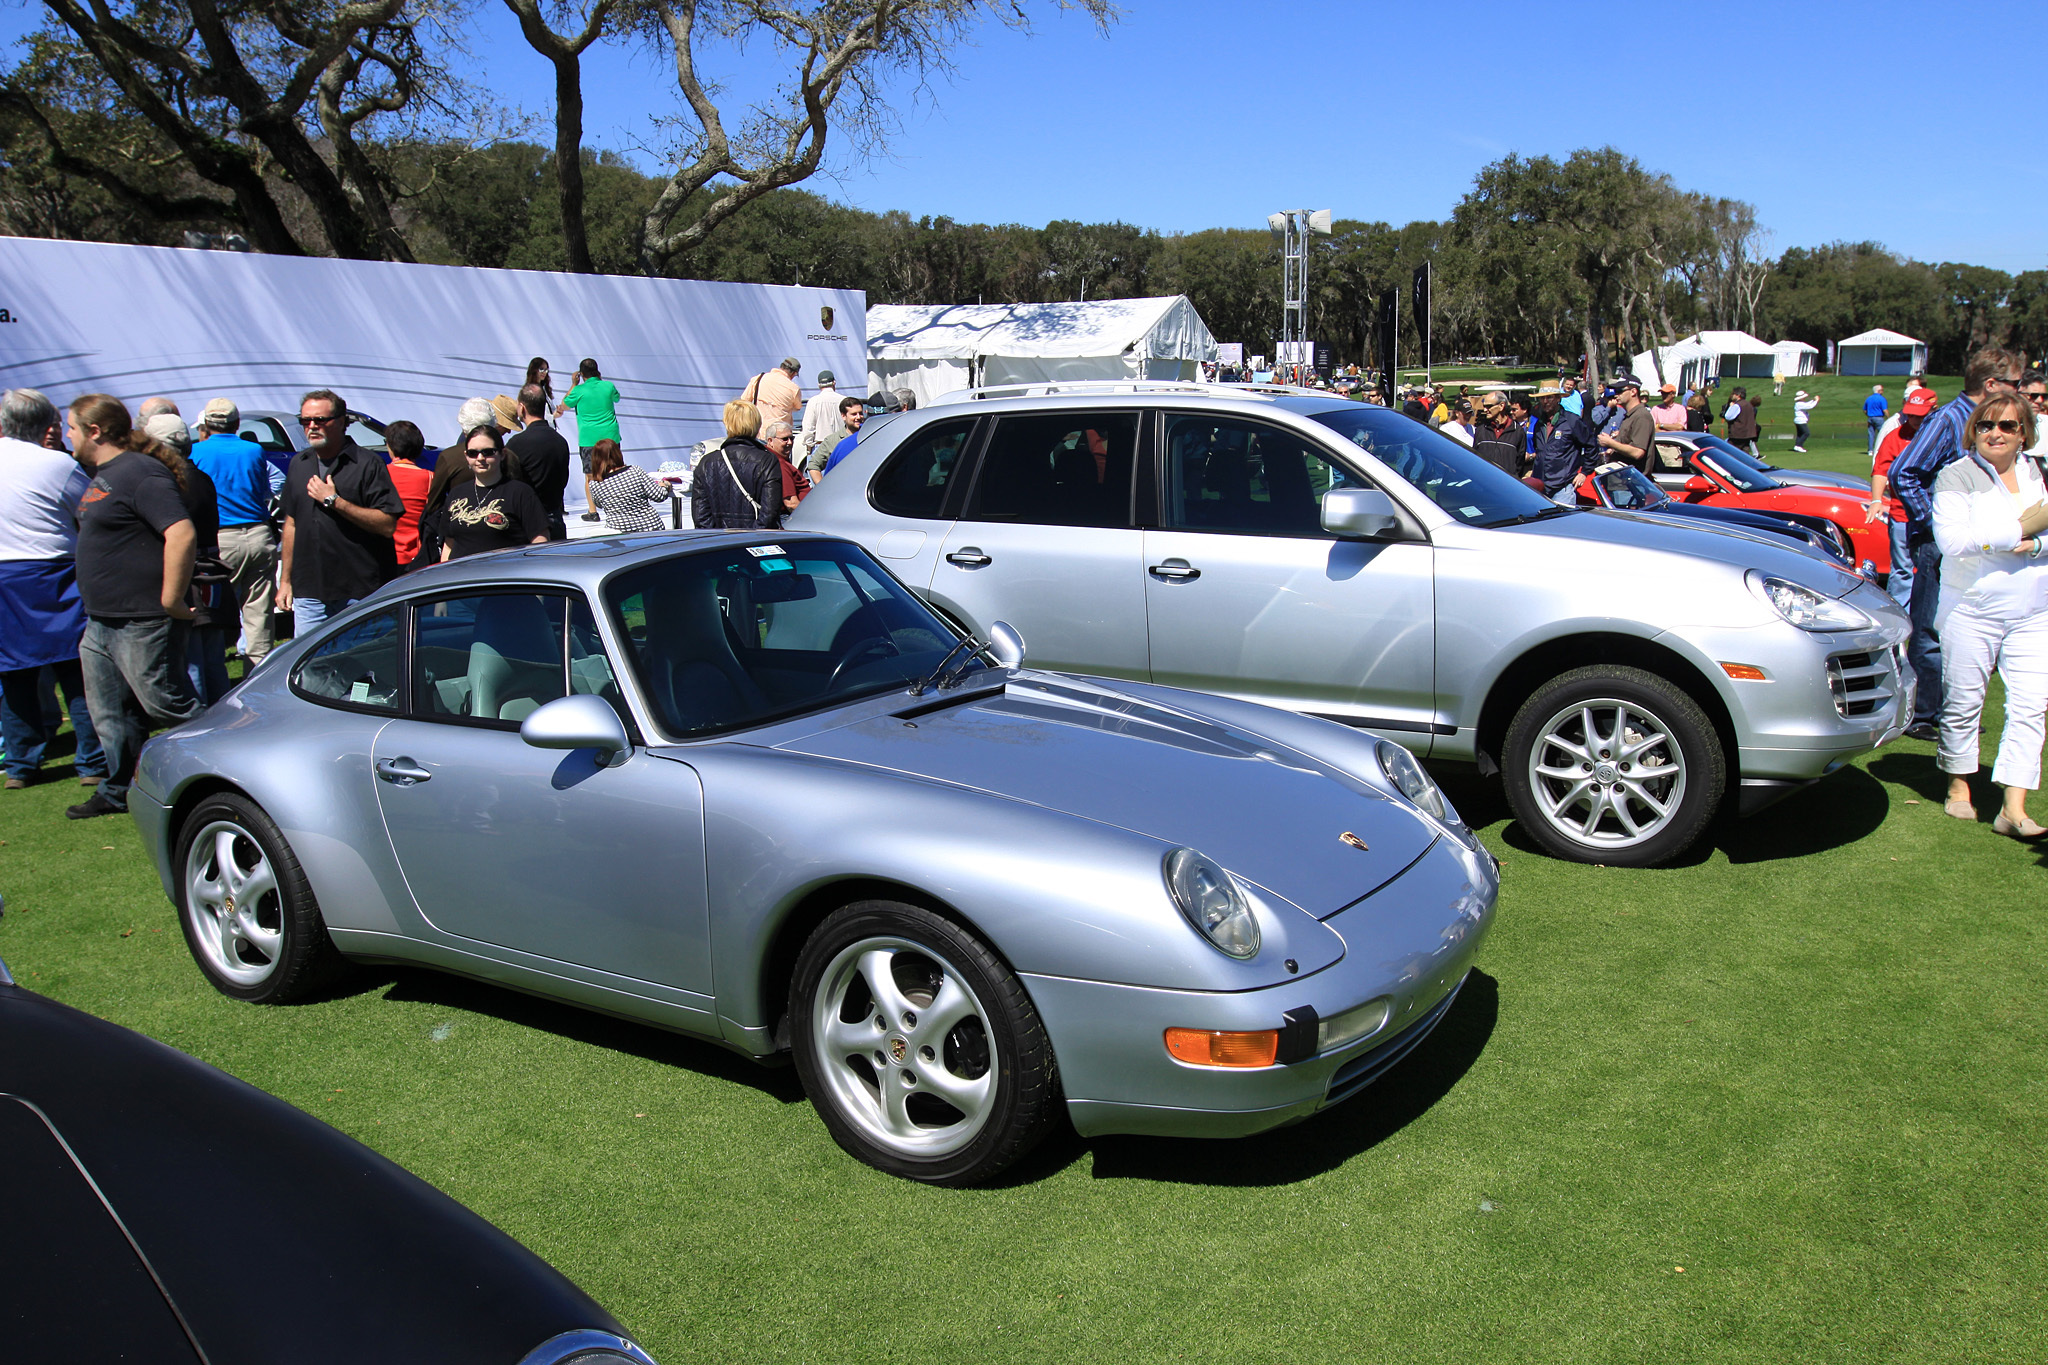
[[933, 349], [1880, 351]]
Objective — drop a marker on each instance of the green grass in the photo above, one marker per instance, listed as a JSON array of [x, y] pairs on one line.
[[1806, 1067]]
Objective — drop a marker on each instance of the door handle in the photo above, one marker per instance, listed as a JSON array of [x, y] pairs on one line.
[[401, 771], [1175, 570], [968, 557]]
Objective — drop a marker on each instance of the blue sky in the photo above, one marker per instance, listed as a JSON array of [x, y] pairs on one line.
[[1837, 121]]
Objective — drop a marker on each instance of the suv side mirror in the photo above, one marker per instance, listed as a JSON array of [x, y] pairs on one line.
[[1360, 513], [578, 722]]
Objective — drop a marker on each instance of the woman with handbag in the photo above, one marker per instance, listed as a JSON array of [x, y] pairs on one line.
[[1991, 523], [737, 487]]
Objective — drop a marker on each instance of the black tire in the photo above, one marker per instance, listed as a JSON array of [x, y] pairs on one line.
[[273, 951], [867, 1072], [1625, 831]]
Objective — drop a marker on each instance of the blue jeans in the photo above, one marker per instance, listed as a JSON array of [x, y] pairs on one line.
[[1899, 582], [1924, 650], [27, 731], [310, 613], [134, 675], [206, 663]]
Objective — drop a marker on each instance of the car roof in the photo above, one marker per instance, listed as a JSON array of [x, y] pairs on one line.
[[1246, 400], [584, 562]]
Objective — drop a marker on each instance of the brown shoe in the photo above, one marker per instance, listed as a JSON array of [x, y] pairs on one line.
[[85, 781], [15, 784]]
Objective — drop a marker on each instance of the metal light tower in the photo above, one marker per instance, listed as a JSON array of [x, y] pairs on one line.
[[1293, 228]]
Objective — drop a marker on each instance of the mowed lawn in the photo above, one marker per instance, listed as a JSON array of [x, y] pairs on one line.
[[1783, 1102]]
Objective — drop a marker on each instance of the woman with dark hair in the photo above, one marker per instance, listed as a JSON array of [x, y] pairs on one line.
[[405, 442], [624, 492], [491, 512], [1990, 520], [541, 377], [1697, 417], [737, 487]]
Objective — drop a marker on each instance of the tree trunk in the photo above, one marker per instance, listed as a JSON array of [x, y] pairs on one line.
[[569, 161]]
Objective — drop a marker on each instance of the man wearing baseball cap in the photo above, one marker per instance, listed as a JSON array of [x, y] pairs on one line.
[[821, 428], [1669, 413], [1882, 504], [248, 541], [1635, 439], [1564, 447]]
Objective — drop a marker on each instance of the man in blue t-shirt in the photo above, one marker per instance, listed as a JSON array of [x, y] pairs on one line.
[[248, 541], [852, 412], [1875, 410]]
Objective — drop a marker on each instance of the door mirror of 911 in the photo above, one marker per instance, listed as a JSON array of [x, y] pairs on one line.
[[1699, 483], [1363, 513], [1006, 644], [581, 722]]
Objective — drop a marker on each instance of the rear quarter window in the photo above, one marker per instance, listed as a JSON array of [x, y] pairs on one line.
[[913, 481]]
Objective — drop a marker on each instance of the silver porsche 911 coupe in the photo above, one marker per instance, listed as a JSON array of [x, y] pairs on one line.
[[747, 787]]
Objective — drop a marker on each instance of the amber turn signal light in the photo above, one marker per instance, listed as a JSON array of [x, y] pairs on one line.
[[1744, 672], [1213, 1047]]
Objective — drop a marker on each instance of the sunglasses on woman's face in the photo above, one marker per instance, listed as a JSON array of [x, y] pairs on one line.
[[2008, 425], [483, 452]]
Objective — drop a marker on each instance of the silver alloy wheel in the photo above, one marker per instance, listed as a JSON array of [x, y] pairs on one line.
[[233, 903], [1607, 773], [905, 1047]]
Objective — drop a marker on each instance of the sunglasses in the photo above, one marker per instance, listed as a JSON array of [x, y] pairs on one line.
[[317, 421], [484, 453], [2008, 425]]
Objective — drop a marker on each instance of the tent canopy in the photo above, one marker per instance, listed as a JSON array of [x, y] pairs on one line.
[[937, 348], [1795, 357], [1881, 336], [1880, 351]]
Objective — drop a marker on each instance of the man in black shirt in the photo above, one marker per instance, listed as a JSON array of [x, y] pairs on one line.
[[543, 457], [136, 547], [340, 511]]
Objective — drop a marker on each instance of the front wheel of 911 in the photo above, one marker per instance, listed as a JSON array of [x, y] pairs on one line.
[[1613, 765], [246, 907], [919, 1047]]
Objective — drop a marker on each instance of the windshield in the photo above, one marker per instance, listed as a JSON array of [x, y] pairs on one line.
[[1627, 488], [724, 639], [1473, 490], [1746, 476], [1735, 453]]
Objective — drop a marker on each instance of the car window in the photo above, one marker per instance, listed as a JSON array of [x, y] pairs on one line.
[[1744, 479], [1244, 477], [356, 666], [723, 639], [1062, 469], [912, 482], [267, 432], [1671, 457], [1628, 489], [492, 658], [1469, 487], [368, 437]]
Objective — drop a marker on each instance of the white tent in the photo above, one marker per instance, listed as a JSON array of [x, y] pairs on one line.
[[932, 349], [1737, 355], [1686, 364], [1879, 351], [1795, 358]]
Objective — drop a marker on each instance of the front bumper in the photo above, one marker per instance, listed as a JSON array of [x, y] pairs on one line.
[[1413, 940]]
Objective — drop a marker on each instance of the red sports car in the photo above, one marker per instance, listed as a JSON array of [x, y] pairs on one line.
[[1720, 482]]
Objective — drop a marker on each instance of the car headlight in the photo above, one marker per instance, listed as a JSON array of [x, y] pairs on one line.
[[1412, 782], [1804, 607], [1212, 902]]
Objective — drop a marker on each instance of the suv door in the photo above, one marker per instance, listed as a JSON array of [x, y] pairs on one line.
[[1248, 596], [1046, 542], [540, 851]]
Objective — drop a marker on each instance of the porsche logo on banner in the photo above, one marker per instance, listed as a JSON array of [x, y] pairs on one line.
[[825, 317]]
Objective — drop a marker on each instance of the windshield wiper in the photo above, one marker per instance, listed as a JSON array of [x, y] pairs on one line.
[[936, 676], [1527, 517]]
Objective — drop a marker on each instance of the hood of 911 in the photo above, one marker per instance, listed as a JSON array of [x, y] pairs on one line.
[[1270, 814]]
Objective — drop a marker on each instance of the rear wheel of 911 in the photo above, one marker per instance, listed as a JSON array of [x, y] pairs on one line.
[[918, 1046], [1613, 765], [246, 908]]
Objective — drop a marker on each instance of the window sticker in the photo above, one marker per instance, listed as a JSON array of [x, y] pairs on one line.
[[763, 551]]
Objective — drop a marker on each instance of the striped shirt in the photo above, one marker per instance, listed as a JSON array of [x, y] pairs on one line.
[[1938, 443]]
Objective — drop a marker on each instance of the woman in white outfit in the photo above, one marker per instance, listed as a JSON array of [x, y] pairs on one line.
[[1990, 513]]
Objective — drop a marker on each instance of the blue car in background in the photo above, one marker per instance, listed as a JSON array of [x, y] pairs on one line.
[[276, 432]]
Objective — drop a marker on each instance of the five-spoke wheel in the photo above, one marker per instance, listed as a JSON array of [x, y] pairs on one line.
[[1613, 765], [918, 1045], [248, 914]]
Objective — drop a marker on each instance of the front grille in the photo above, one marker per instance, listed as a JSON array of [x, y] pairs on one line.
[[1862, 683]]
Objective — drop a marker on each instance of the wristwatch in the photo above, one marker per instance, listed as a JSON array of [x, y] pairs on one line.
[[329, 501]]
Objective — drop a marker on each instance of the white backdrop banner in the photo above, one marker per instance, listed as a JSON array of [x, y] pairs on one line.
[[404, 341]]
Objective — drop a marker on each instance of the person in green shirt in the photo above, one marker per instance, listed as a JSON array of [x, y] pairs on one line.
[[595, 400]]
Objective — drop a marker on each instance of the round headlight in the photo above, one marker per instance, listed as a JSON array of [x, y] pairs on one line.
[[1212, 902], [1804, 607], [1410, 780]]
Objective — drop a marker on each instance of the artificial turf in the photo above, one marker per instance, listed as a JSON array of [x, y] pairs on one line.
[[1782, 1101]]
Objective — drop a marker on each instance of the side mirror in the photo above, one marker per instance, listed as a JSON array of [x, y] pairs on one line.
[[1699, 483], [580, 722], [1006, 644], [1360, 513]]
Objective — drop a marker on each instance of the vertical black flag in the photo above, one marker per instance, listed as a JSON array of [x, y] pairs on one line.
[[1421, 305], [1387, 332]]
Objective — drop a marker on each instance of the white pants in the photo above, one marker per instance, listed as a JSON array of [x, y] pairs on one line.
[[1972, 645]]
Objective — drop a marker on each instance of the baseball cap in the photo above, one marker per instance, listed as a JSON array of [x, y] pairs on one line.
[[1668, 388], [825, 377], [790, 363], [1921, 403], [220, 414], [1626, 381]]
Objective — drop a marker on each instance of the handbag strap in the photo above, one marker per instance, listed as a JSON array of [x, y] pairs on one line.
[[751, 501]]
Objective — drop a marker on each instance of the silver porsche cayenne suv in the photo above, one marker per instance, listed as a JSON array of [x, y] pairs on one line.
[[1627, 678]]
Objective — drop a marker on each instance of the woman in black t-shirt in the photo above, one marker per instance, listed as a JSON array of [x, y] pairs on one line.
[[492, 512]]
